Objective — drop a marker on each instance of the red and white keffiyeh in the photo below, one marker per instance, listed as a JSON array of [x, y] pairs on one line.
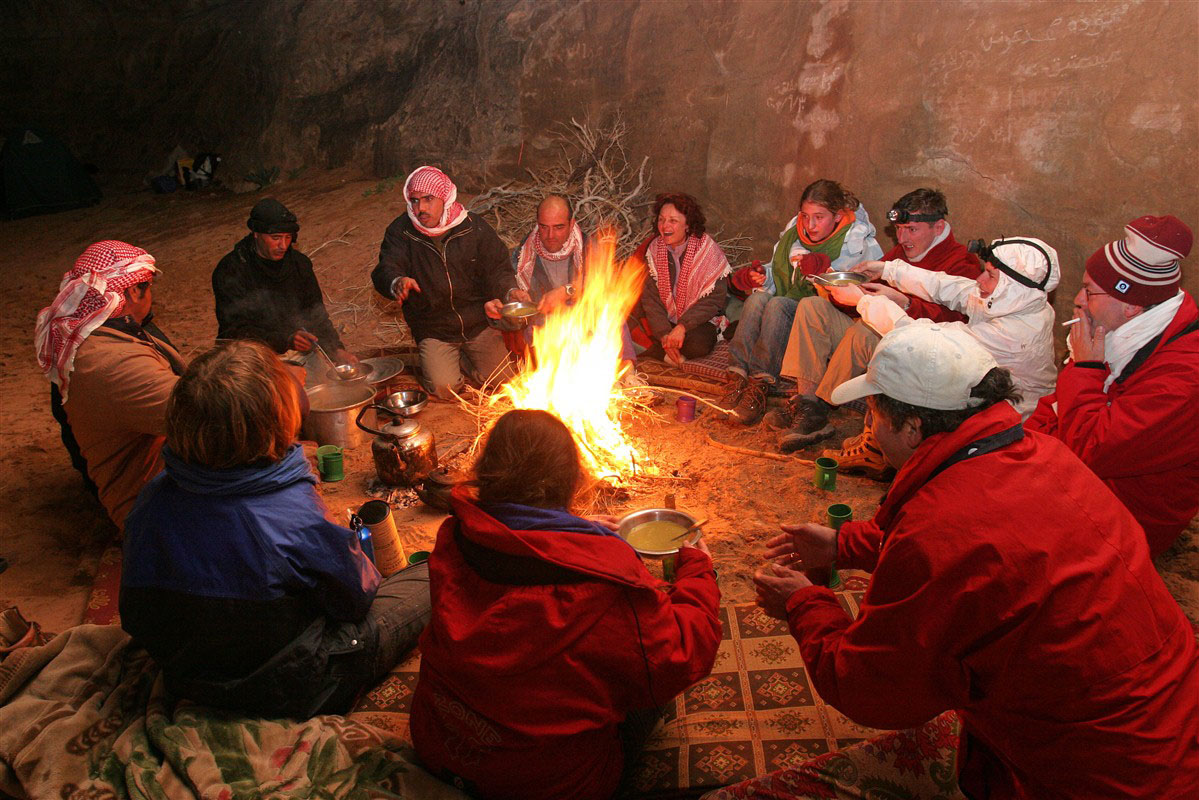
[[533, 247], [90, 293], [703, 264], [431, 180]]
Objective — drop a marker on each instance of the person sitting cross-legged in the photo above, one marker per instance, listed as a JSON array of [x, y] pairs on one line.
[[832, 231], [451, 273], [682, 302], [233, 579], [551, 648]]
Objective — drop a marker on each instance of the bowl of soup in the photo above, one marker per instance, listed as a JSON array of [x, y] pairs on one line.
[[657, 531]]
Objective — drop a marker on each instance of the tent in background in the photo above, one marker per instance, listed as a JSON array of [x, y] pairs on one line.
[[39, 175]]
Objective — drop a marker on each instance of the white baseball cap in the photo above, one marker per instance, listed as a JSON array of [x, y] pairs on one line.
[[925, 364]]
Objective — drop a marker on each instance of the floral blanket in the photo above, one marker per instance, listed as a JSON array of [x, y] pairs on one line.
[[85, 717]]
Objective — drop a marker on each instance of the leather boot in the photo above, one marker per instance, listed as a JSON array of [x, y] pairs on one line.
[[752, 406], [734, 387]]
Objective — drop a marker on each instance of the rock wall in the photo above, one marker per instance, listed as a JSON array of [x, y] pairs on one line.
[[1060, 120]]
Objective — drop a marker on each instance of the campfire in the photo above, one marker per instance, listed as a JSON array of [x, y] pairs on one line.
[[577, 369]]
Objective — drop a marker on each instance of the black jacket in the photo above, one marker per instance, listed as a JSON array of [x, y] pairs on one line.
[[269, 300], [456, 273]]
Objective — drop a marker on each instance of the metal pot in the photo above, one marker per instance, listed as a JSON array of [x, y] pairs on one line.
[[435, 491], [404, 453], [331, 410]]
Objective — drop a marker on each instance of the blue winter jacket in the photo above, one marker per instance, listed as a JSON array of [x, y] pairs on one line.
[[236, 584]]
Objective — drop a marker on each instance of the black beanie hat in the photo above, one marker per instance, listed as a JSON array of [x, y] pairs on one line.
[[271, 216]]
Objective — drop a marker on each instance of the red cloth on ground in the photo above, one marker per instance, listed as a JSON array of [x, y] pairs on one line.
[[1014, 588], [1141, 436], [948, 256], [521, 687]]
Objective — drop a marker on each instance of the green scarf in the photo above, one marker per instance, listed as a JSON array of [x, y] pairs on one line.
[[781, 263]]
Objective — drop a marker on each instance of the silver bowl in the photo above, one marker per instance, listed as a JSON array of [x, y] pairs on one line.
[[518, 312], [407, 403], [631, 521], [839, 278]]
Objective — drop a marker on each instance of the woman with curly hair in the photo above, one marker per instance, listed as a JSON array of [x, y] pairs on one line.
[[551, 648], [682, 303]]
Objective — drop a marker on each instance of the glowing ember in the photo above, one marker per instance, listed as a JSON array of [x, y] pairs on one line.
[[578, 364]]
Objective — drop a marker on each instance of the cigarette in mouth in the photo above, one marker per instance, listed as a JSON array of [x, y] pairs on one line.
[[1070, 322]]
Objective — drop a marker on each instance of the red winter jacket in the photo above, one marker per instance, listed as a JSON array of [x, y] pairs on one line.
[[1141, 436], [1015, 588], [948, 256], [522, 686]]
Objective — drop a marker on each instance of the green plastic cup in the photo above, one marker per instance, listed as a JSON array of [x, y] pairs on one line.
[[825, 473], [330, 463], [838, 513], [418, 557]]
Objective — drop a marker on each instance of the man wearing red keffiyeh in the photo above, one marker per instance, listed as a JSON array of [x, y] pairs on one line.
[[682, 302], [450, 270], [111, 371]]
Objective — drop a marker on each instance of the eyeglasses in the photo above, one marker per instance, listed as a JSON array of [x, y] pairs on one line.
[[1090, 293]]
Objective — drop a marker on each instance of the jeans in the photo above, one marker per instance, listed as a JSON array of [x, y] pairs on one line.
[[399, 612], [362, 652], [486, 359], [761, 338]]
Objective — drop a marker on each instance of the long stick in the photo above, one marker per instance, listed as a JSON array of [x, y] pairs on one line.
[[759, 453]]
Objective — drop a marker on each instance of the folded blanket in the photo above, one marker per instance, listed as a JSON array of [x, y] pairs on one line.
[[86, 715]]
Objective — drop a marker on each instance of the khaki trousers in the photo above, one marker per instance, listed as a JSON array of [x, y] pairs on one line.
[[826, 348]]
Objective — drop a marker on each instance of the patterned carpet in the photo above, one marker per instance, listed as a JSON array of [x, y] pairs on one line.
[[754, 714]]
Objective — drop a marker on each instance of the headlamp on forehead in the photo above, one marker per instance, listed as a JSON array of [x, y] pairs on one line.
[[902, 216], [986, 253]]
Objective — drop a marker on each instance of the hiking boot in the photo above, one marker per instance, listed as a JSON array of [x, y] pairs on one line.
[[781, 418], [734, 387], [863, 458], [752, 406], [797, 439], [809, 418]]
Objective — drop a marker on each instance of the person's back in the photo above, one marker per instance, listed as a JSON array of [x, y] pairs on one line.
[[232, 579], [549, 640]]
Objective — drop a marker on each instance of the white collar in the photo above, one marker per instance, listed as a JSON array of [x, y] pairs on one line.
[[940, 238]]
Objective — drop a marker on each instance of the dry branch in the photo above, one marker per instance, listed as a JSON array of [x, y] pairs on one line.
[[759, 453]]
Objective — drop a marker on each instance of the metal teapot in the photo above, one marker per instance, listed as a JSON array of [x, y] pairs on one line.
[[404, 452]]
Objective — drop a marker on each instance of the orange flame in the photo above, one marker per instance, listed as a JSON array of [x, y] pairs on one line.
[[578, 363]]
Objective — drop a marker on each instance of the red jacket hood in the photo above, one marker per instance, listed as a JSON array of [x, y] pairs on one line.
[[933, 451], [605, 557]]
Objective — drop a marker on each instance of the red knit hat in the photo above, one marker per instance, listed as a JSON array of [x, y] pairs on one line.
[[1142, 268]]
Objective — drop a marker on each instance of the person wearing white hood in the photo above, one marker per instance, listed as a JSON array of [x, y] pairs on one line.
[[1007, 309]]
